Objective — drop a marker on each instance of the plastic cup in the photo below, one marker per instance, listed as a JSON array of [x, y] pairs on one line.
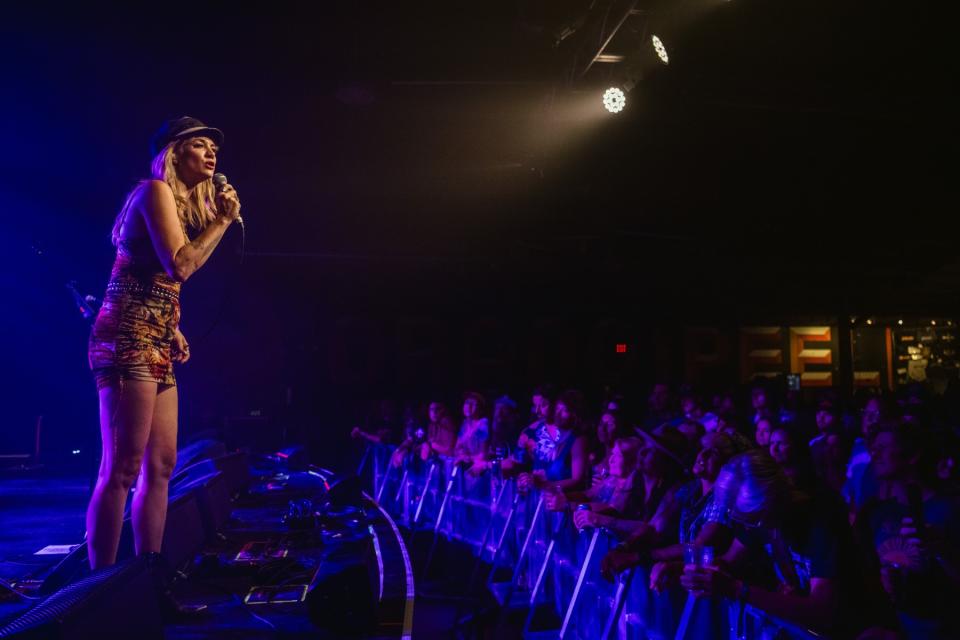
[[582, 507]]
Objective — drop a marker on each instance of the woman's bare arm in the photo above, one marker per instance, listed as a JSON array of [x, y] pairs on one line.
[[180, 258], [579, 468], [445, 441], [816, 610]]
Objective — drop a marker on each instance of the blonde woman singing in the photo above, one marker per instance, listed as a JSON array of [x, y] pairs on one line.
[[165, 232]]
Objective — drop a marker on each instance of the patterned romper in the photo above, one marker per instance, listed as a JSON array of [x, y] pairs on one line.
[[136, 324]]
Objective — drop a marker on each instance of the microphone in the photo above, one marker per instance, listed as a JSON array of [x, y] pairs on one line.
[[219, 183]]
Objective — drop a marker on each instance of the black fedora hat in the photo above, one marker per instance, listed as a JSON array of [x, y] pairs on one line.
[[179, 128]]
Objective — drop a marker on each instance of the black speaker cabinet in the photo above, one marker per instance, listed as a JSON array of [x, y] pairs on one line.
[[184, 533], [115, 602]]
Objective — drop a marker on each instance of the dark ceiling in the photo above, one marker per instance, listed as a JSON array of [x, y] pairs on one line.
[[793, 156]]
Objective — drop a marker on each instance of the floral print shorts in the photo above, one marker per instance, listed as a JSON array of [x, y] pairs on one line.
[[131, 337]]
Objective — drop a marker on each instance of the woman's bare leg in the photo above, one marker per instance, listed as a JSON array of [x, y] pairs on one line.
[[150, 498], [126, 413]]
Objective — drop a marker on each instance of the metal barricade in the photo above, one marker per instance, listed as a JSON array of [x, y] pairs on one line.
[[538, 560]]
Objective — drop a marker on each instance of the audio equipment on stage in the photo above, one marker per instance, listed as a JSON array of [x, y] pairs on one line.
[[115, 602]]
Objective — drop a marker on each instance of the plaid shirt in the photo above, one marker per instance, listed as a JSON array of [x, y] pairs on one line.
[[697, 510]]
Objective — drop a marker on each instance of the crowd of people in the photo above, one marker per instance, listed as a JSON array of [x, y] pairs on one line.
[[840, 519]]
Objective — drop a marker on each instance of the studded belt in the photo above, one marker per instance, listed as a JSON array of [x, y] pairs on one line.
[[139, 288]]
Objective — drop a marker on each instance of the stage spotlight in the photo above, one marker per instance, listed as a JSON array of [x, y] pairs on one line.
[[614, 99], [900, 322], [661, 50]]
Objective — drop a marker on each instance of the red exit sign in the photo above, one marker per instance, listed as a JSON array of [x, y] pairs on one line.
[[621, 348]]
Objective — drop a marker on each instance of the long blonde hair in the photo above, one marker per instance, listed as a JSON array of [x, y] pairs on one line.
[[195, 211]]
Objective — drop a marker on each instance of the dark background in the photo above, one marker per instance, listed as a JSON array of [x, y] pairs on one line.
[[436, 200]]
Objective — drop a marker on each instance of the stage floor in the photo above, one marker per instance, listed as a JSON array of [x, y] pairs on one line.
[[39, 511]]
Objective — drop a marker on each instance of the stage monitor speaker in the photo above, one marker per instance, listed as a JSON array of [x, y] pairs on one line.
[[213, 498], [191, 474], [115, 602], [295, 457], [236, 470], [184, 534], [345, 491], [215, 504], [204, 449], [234, 466]]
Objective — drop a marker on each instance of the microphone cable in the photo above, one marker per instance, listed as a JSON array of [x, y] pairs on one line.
[[231, 285]]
